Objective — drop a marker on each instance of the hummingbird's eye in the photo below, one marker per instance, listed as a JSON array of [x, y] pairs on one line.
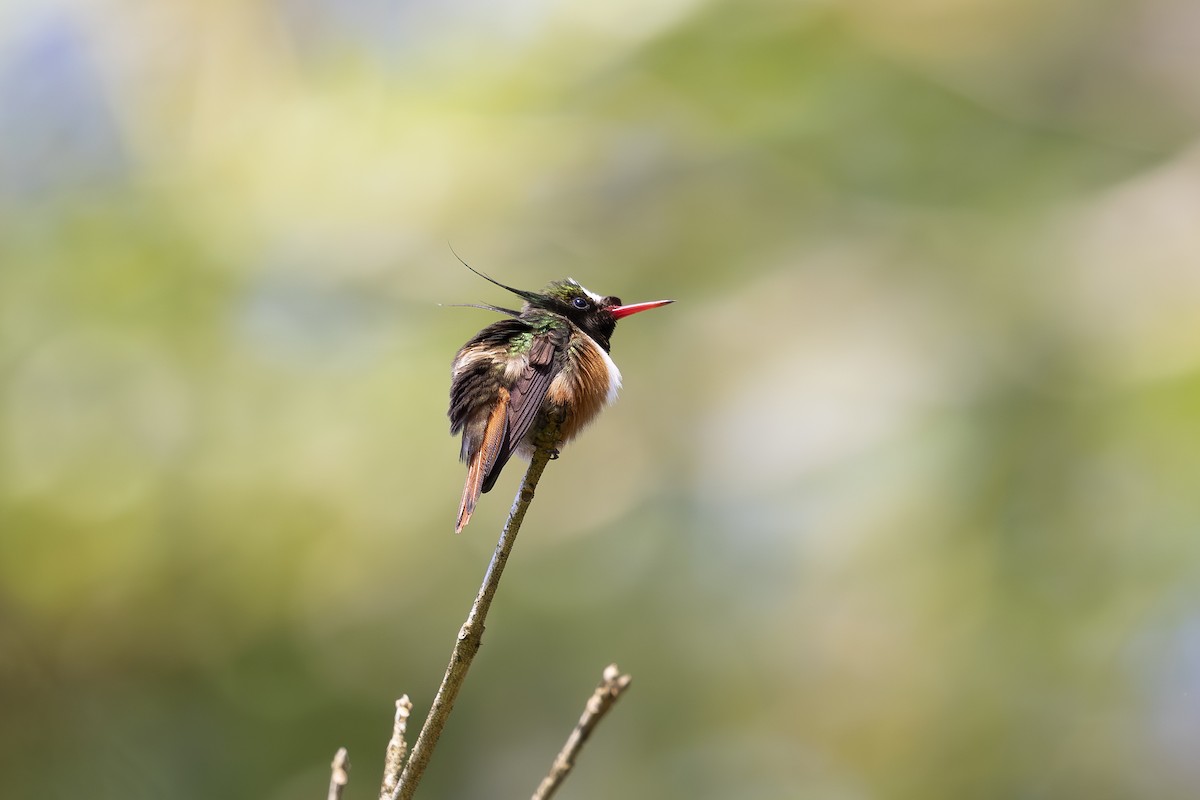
[[579, 303]]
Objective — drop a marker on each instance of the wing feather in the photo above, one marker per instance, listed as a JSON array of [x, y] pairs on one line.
[[526, 399], [478, 374]]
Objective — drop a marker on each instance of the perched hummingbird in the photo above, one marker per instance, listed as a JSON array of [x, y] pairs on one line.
[[549, 358]]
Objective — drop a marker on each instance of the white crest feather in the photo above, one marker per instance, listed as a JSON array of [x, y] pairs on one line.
[[597, 299]]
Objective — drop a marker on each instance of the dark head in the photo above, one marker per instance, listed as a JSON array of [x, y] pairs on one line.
[[597, 316]]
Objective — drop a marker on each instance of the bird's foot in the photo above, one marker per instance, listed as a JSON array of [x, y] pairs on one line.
[[554, 454]]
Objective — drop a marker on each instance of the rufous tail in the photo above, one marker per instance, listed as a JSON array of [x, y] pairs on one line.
[[483, 459]]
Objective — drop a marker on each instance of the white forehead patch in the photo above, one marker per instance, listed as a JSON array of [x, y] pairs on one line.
[[595, 297]]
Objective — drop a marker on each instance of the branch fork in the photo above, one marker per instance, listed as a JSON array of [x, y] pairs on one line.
[[403, 769]]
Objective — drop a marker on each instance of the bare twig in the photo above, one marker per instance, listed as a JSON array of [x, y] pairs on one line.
[[471, 633], [397, 748], [340, 774], [611, 686]]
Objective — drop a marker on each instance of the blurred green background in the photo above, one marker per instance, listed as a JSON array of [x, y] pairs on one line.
[[901, 497]]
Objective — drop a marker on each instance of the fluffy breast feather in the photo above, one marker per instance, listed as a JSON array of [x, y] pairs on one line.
[[589, 383]]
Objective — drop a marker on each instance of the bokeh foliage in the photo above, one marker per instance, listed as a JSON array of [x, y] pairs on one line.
[[900, 501]]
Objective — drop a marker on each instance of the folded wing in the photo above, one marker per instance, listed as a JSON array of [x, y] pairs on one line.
[[525, 401]]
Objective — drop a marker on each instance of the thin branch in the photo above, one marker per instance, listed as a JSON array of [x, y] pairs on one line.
[[340, 774], [471, 633], [397, 748], [612, 684]]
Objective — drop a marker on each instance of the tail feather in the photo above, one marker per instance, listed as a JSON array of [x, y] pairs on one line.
[[482, 460]]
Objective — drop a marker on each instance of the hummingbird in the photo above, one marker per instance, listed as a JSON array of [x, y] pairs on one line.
[[547, 361]]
